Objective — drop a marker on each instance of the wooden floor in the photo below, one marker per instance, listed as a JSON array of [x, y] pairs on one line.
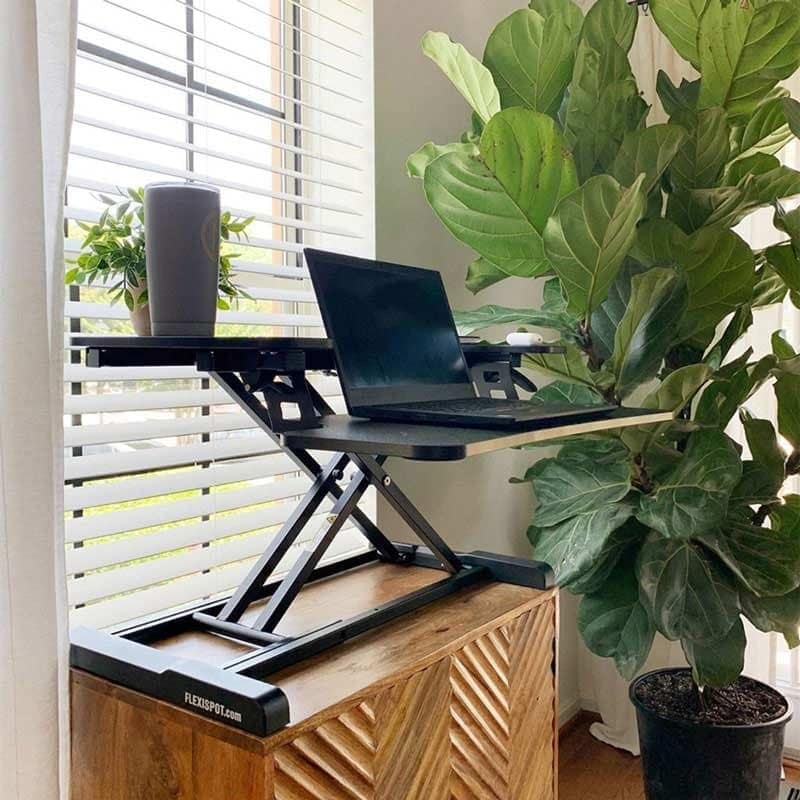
[[590, 770]]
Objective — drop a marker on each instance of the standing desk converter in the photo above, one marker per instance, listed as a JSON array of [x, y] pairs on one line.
[[267, 377]]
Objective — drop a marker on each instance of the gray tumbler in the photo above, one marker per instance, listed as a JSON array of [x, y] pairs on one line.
[[181, 228]]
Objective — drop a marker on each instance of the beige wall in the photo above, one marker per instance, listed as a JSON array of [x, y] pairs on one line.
[[471, 502]]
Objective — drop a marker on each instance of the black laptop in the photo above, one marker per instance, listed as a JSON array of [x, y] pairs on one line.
[[398, 352]]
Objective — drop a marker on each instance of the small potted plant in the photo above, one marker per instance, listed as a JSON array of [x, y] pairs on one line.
[[628, 228], [113, 254]]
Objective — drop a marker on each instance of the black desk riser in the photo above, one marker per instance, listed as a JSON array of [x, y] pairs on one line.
[[265, 377]]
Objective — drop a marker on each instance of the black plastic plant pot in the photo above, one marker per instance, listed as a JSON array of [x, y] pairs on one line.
[[684, 760]]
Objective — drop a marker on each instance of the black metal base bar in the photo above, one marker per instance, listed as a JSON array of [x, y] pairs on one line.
[[224, 695], [236, 629], [277, 657]]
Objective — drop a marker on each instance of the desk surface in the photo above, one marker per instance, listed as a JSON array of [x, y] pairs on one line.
[[341, 433], [172, 345]]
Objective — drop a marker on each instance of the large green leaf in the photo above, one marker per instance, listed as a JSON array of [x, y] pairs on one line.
[[473, 205], [571, 14], [418, 162], [648, 151], [679, 20], [789, 223], [679, 102], [477, 319], [527, 154], [756, 487], [694, 496], [607, 316], [481, 274], [659, 243], [603, 103], [623, 540], [686, 590], [569, 366], [766, 130], [719, 663], [577, 483], [678, 388], [674, 393], [657, 304], [738, 325], [720, 270], [791, 108], [768, 179], [783, 260], [531, 58], [472, 79], [614, 623], [732, 386], [571, 393], [702, 157], [767, 561], [764, 448], [779, 614], [588, 237], [571, 547], [744, 51], [610, 20], [787, 391]]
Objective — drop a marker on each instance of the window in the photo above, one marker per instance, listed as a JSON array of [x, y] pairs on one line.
[[171, 490]]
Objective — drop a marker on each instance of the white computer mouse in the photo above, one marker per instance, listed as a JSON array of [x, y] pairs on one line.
[[523, 339]]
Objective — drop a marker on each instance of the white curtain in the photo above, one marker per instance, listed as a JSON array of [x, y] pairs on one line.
[[37, 45]]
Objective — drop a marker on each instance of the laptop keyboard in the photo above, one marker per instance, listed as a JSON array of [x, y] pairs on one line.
[[474, 405]]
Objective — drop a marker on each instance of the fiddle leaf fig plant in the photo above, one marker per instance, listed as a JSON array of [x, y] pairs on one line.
[[622, 218]]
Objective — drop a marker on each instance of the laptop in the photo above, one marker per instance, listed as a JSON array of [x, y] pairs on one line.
[[398, 352]]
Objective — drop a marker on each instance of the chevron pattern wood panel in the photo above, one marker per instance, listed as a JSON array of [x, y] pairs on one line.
[[533, 705], [502, 712], [413, 723], [480, 730], [333, 762]]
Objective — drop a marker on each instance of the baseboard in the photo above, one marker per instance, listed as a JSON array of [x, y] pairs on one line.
[[568, 711]]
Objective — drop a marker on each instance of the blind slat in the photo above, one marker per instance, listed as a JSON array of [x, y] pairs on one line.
[[271, 117], [132, 519], [119, 311], [174, 172], [212, 43], [262, 166], [83, 435], [162, 484], [187, 62], [118, 463]]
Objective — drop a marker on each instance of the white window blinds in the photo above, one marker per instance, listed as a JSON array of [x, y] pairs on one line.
[[171, 490]]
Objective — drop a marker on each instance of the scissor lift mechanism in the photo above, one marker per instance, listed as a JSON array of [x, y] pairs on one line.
[[266, 377]]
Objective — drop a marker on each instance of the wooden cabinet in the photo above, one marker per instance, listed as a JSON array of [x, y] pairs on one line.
[[456, 701]]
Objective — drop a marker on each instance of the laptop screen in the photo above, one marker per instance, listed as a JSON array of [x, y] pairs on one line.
[[392, 329]]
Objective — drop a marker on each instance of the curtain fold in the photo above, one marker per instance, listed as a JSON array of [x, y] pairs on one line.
[[37, 57]]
